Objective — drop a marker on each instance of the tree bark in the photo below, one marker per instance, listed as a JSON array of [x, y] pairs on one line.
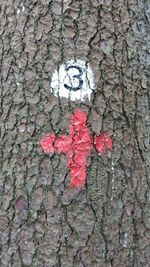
[[43, 223]]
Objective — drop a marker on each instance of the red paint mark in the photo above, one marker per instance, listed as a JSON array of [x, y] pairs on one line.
[[47, 143], [77, 147], [63, 144], [103, 143]]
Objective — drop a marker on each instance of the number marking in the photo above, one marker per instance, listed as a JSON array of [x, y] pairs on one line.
[[75, 77], [74, 80]]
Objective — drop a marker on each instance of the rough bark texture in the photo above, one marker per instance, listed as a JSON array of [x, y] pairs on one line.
[[42, 222]]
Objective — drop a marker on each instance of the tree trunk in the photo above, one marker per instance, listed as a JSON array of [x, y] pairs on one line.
[[44, 223]]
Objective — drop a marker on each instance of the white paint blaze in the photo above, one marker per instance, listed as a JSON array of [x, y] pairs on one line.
[[74, 80]]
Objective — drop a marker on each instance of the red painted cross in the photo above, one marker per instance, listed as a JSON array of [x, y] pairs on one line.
[[77, 147]]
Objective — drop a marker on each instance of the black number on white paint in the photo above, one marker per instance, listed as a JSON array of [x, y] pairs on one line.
[[74, 80], [77, 76]]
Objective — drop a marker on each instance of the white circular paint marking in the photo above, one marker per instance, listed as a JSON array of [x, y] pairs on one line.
[[74, 80]]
